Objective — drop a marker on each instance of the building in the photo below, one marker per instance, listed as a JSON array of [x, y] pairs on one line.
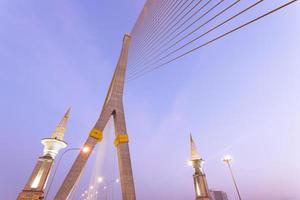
[[35, 186], [218, 195]]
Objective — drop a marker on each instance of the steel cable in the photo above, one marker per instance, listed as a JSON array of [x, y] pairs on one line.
[[169, 20], [214, 39], [152, 53], [155, 26], [198, 37]]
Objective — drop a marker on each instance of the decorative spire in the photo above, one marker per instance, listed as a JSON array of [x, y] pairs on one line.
[[194, 153], [200, 183], [61, 127]]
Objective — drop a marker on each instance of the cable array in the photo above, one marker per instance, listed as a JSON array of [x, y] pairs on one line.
[[167, 30]]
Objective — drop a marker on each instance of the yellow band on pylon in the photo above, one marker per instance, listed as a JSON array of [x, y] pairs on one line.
[[121, 138], [97, 134]]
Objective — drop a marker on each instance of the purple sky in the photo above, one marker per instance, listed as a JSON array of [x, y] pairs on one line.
[[239, 96]]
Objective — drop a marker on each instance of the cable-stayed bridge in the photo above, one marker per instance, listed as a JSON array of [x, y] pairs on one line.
[[165, 31]]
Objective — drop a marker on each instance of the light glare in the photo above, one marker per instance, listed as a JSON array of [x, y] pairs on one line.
[[100, 179], [85, 149], [189, 163], [227, 158]]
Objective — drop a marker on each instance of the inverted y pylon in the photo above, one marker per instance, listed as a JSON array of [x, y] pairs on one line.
[[113, 106]]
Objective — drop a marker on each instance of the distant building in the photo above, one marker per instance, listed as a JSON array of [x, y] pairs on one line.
[[218, 195]]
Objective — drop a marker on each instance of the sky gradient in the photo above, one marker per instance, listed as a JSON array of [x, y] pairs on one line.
[[239, 96]]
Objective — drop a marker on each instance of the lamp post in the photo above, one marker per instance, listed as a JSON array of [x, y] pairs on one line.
[[227, 159], [107, 184], [83, 149], [100, 180]]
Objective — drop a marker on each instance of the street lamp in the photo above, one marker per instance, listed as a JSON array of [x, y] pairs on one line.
[[227, 159], [100, 180], [84, 149]]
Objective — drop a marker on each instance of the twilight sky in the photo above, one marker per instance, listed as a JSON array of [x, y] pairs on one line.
[[239, 96]]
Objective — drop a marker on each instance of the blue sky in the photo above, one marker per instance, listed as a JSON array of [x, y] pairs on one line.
[[239, 96]]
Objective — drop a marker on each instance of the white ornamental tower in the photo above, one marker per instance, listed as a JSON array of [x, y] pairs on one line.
[[35, 186], [200, 183]]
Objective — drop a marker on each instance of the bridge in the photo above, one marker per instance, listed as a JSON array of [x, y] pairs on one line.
[[164, 32]]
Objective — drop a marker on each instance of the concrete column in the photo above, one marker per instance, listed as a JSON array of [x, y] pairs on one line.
[[113, 105]]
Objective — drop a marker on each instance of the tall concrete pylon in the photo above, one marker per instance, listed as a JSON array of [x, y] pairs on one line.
[[200, 183], [113, 106]]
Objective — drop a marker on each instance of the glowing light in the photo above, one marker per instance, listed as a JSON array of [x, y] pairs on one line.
[[85, 149], [100, 179], [91, 187], [104, 187], [227, 158], [37, 179], [198, 191], [189, 163], [117, 180]]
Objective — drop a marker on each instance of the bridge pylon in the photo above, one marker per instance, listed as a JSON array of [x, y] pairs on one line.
[[113, 106]]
